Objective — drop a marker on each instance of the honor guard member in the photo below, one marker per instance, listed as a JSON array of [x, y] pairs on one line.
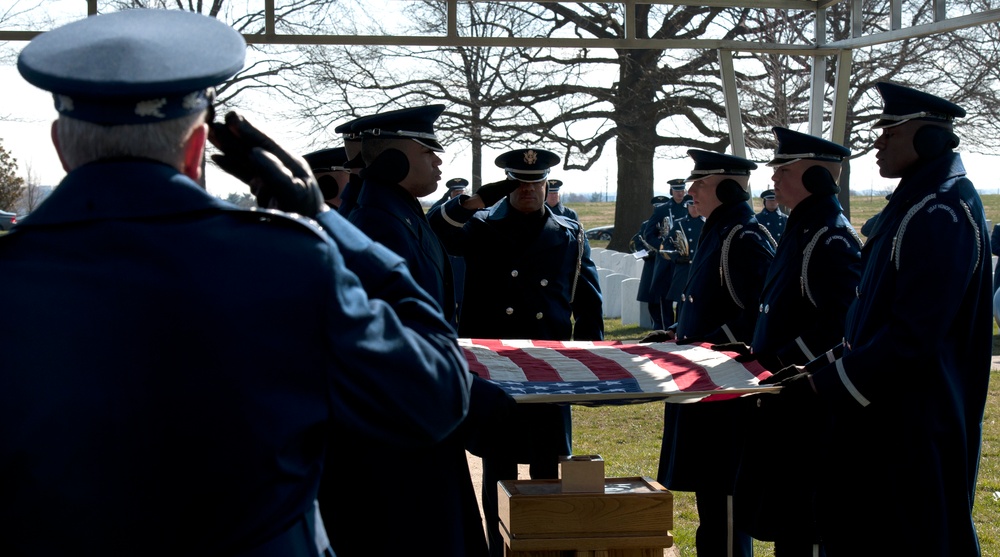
[[701, 442], [648, 263], [907, 395], [400, 150], [352, 147], [455, 187], [683, 239], [771, 216], [329, 166], [552, 200], [808, 289], [995, 249], [528, 276], [173, 420], [654, 233]]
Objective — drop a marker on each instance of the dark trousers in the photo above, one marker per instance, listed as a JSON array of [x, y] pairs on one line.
[[717, 535], [495, 470], [667, 312], [654, 314], [804, 547]]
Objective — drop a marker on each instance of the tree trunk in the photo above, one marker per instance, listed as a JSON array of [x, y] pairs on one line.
[[635, 146]]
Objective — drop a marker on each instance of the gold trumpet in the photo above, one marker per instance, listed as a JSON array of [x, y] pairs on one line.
[[680, 242]]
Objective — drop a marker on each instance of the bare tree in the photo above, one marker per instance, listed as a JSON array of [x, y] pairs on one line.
[[577, 99], [32, 194], [10, 182]]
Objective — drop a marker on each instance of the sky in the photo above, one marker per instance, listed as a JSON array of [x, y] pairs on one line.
[[26, 113]]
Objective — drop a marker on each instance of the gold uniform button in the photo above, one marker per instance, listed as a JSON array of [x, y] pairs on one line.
[[510, 311], [538, 315]]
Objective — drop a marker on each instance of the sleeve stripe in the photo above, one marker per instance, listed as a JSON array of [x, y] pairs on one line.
[[447, 218], [842, 373], [805, 349]]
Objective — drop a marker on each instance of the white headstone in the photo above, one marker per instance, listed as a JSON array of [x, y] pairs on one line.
[[630, 306]]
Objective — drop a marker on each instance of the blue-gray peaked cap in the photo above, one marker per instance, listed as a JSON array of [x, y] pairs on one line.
[[794, 146], [135, 66], [416, 123], [708, 163], [527, 165], [902, 104]]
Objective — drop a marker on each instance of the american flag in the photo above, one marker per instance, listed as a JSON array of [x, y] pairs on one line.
[[611, 372]]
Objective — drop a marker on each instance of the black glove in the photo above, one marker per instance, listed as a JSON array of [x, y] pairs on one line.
[[798, 386], [276, 177], [782, 374], [739, 347], [659, 336], [768, 361], [493, 192]]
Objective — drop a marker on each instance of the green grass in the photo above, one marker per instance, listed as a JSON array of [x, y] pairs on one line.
[[628, 437]]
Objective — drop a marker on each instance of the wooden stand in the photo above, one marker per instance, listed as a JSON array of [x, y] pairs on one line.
[[631, 518]]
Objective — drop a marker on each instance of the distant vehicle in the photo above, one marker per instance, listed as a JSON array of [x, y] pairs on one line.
[[601, 232], [7, 220]]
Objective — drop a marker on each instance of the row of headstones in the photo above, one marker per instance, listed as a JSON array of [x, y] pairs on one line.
[[619, 278], [619, 275]]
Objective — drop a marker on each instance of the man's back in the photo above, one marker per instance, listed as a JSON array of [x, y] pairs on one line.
[[179, 369]]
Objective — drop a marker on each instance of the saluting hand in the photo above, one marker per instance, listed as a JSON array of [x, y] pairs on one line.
[[277, 178]]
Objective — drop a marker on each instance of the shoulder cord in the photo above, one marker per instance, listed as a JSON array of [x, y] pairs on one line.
[[579, 262], [806, 256], [724, 265]]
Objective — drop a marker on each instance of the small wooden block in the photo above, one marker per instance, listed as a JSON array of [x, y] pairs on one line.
[[582, 473]]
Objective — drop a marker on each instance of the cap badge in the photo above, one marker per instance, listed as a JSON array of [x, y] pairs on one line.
[[150, 108], [530, 157]]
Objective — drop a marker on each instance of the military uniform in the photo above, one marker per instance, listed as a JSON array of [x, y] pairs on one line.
[[648, 263], [809, 286], [527, 276], [170, 419], [450, 519], [701, 442], [907, 397], [559, 208], [775, 220], [654, 232], [690, 229]]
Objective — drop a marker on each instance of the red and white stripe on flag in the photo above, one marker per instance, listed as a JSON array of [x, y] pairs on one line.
[[611, 372]]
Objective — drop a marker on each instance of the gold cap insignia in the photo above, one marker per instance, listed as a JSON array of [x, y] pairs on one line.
[[530, 157]]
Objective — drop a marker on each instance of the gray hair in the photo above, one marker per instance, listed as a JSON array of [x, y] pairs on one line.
[[83, 142]]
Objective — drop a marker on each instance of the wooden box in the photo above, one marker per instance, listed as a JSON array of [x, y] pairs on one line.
[[581, 473], [636, 507]]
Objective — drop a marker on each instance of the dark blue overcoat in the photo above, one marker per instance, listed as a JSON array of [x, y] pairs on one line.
[[809, 287], [692, 227], [775, 222], [702, 442], [654, 232], [179, 368], [450, 516], [907, 397]]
